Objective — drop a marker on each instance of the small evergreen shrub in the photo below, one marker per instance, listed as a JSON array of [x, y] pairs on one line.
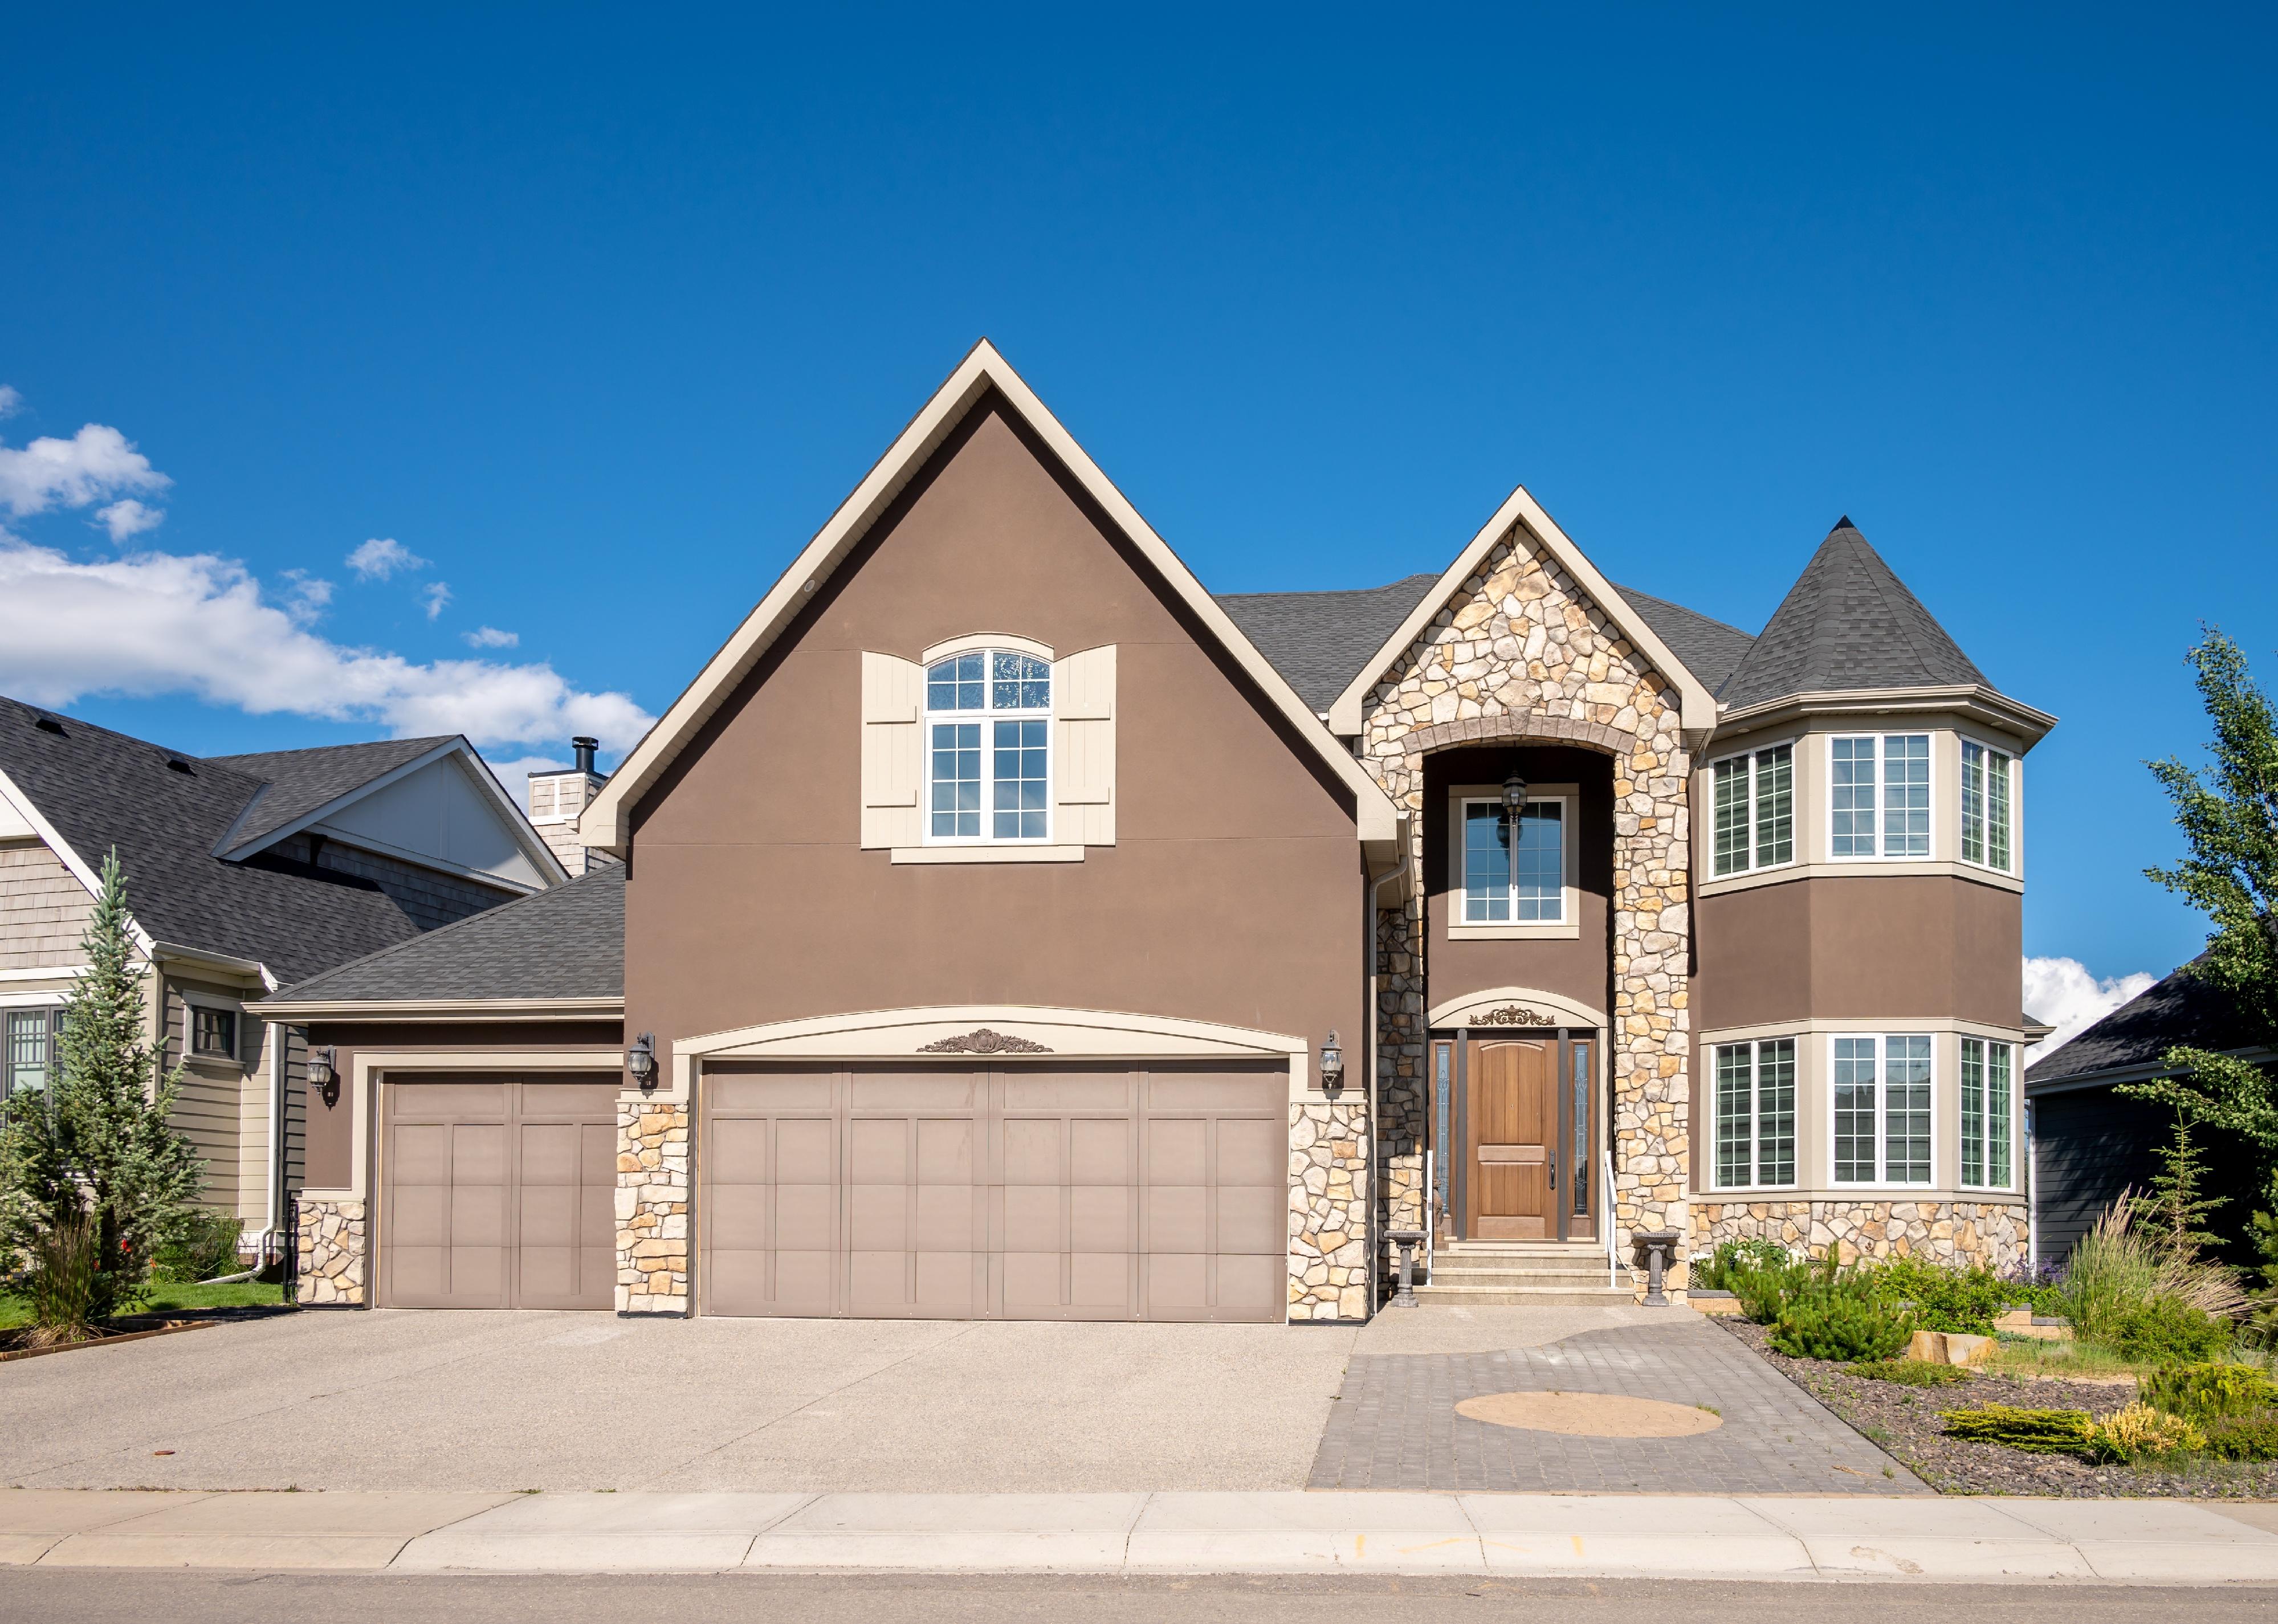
[[2243, 1437], [202, 1246], [1835, 1313], [1910, 1372], [2041, 1432], [2168, 1330], [1964, 1299], [2205, 1392], [2141, 1433], [1764, 1289]]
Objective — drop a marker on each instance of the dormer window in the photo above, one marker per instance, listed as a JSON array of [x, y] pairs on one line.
[[989, 715]]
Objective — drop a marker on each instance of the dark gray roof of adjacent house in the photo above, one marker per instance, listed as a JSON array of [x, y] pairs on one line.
[[1848, 623], [1711, 650], [299, 782], [101, 790], [2180, 1010], [1320, 640], [568, 942]]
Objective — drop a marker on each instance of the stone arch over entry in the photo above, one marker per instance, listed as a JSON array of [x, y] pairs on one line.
[[1508, 728]]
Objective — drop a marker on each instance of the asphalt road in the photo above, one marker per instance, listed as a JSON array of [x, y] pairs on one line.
[[58, 1597]]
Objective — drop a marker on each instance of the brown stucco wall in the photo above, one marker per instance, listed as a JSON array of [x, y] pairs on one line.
[[1233, 894], [1579, 968], [1869, 946], [330, 1151]]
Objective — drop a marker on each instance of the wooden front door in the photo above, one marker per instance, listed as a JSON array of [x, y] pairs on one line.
[[1510, 1133]]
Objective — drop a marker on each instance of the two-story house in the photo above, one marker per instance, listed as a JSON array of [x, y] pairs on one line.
[[1008, 928], [243, 873]]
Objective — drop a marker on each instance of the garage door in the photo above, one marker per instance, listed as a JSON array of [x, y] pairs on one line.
[[1015, 1192], [497, 1192]]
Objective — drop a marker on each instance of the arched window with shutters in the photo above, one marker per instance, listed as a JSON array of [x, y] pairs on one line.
[[989, 730]]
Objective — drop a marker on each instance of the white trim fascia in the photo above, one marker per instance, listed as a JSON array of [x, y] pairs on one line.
[[1697, 708], [1974, 700], [363, 1099], [1854, 868], [46, 972], [532, 844], [1564, 1011], [1860, 1027], [47, 999], [166, 955], [980, 642], [606, 822], [300, 1012], [71, 859]]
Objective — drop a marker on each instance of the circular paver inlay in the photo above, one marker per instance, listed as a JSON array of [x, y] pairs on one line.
[[1590, 1415]]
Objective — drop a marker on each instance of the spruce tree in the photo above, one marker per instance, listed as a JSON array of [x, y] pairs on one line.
[[2179, 1207], [101, 1151]]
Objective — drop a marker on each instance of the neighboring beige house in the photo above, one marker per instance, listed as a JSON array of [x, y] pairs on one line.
[[243, 873], [1008, 928]]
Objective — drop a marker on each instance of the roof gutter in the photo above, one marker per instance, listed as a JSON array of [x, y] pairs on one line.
[[303, 1010], [1986, 704]]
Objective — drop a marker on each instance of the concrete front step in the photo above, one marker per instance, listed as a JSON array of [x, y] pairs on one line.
[[1506, 1279], [1574, 1296]]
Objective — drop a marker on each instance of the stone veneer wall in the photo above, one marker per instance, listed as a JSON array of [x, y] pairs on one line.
[[1520, 654], [652, 1164], [331, 1242], [1989, 1232], [1328, 1210]]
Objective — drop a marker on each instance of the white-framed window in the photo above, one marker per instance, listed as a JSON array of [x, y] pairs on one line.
[[989, 730], [28, 1062], [1988, 1110], [1753, 821], [1881, 1095], [1514, 868], [1880, 795], [1756, 1113], [1988, 782]]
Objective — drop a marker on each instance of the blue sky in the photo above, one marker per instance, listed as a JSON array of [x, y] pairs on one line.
[[598, 314]]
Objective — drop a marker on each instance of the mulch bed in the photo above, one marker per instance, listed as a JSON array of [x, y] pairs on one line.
[[1905, 1423]]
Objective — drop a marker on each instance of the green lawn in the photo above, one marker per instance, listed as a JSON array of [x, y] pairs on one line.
[[246, 1293]]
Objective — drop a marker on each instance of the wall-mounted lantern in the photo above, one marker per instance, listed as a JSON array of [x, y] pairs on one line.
[[1333, 1066], [640, 1060], [324, 1075], [1514, 793]]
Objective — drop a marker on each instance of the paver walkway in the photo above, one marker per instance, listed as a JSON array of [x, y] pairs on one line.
[[1394, 1424]]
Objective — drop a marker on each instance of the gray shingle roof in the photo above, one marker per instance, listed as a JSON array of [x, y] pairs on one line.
[[1711, 650], [1848, 623], [99, 789], [298, 782], [568, 942], [2180, 1010], [1320, 641]]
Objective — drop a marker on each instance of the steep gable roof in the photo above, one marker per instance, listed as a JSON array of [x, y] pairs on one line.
[[606, 822], [1710, 648], [1849, 625], [566, 944], [1697, 709], [299, 783]]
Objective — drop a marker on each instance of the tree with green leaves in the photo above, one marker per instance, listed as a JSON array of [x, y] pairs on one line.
[[98, 1156], [2229, 820]]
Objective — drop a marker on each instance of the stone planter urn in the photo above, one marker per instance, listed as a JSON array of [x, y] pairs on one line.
[[1658, 1246]]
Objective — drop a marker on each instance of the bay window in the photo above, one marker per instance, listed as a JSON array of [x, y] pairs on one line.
[[1988, 1071], [1879, 789], [1882, 1108], [1754, 810], [1985, 801], [1756, 1113]]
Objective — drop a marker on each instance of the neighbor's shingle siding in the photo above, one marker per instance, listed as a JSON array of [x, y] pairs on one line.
[[428, 897], [43, 908]]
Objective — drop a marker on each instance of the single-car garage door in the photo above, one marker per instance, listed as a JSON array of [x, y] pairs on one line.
[[497, 1192], [1015, 1192]]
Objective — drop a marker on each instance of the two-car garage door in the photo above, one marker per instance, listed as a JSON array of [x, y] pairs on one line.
[[1026, 1192]]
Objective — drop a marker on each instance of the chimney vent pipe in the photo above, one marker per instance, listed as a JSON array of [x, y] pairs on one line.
[[584, 746]]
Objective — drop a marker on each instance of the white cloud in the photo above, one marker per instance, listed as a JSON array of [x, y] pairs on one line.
[[514, 776], [491, 637], [435, 595], [306, 595], [128, 518], [158, 624], [95, 464], [381, 557], [2065, 993], [11, 402]]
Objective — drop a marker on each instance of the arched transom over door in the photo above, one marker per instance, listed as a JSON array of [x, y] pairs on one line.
[[1053, 1190]]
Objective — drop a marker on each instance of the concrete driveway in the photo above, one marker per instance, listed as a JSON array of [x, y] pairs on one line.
[[526, 1400]]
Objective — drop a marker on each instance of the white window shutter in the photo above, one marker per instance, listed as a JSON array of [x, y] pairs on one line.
[[893, 752], [1083, 695]]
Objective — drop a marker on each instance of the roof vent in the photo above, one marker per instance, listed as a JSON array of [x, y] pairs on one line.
[[49, 724], [583, 748], [175, 764]]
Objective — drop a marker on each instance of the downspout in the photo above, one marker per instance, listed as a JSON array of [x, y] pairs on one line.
[[1375, 1173]]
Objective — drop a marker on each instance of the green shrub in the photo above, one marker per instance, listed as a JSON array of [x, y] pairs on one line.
[[1910, 1372], [1965, 1299], [1764, 1289], [65, 1284], [2168, 1331], [202, 1246], [2041, 1432], [2243, 1437], [2140, 1432], [2209, 1391], [1834, 1313], [1713, 1271]]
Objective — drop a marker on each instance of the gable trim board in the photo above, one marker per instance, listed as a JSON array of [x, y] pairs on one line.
[[86, 876], [607, 822], [1697, 707]]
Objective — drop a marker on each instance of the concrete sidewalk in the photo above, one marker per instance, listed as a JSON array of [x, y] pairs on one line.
[[1669, 1537]]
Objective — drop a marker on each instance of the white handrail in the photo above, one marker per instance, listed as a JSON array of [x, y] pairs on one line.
[[1605, 1199]]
